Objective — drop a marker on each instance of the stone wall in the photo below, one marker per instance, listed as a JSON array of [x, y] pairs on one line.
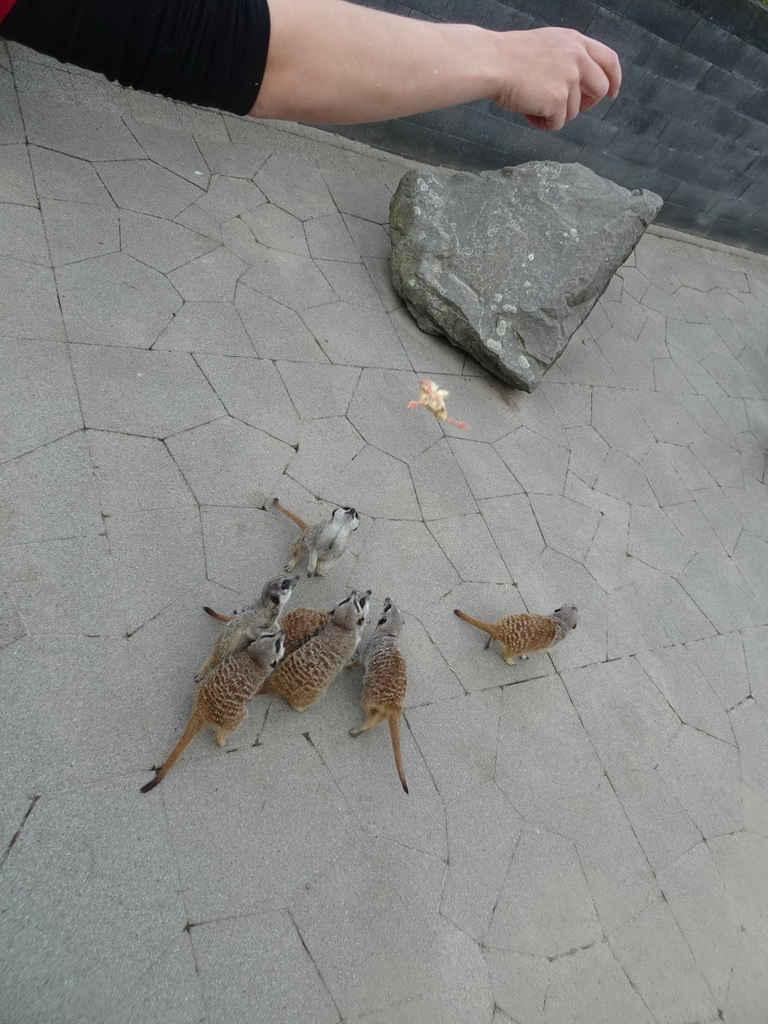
[[691, 122]]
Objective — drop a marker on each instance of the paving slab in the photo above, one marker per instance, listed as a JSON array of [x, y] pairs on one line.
[[49, 493], [211, 277], [591, 985], [540, 726], [226, 198], [363, 768], [703, 773], [65, 586], [722, 661], [168, 393], [682, 684], [749, 723], [295, 186], [173, 149], [99, 307], [364, 967], [245, 793], [244, 545], [483, 830], [584, 838], [16, 181], [634, 727], [351, 282], [35, 376], [394, 497], [135, 474], [28, 304], [58, 126], [214, 328], [338, 326], [152, 572], [545, 908], [275, 228], [697, 898], [618, 873], [440, 484], [467, 723], [81, 231], [325, 448], [276, 331], [226, 952], [721, 592], [660, 965], [170, 987], [63, 920], [160, 243]]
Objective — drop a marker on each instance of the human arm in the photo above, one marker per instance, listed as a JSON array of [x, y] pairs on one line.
[[339, 63]]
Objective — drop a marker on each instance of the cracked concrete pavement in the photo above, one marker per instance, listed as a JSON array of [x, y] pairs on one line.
[[195, 315]]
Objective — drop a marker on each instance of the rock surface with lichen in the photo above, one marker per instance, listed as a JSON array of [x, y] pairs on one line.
[[507, 264]]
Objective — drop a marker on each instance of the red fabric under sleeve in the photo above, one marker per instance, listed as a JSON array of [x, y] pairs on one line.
[[5, 6]]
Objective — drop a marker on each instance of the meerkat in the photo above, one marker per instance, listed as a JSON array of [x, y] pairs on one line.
[[299, 625], [385, 680], [322, 543], [223, 694], [521, 635], [304, 676], [247, 625]]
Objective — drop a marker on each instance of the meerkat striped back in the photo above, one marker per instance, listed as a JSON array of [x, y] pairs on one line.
[[305, 675]]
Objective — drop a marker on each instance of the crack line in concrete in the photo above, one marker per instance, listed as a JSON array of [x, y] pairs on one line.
[[17, 833]]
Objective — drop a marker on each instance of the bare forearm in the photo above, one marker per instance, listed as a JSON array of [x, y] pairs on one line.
[[339, 63], [335, 62]]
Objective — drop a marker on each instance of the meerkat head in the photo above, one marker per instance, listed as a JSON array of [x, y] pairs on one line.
[[268, 649], [345, 515], [277, 591], [391, 621], [568, 615], [364, 602], [352, 611]]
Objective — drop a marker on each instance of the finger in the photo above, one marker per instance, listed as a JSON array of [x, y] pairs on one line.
[[573, 104], [554, 122], [608, 60], [594, 86]]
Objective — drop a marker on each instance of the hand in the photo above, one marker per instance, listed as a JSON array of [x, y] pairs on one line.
[[551, 74]]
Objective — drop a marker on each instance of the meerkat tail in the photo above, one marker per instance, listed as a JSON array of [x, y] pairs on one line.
[[394, 731], [487, 627], [217, 615], [194, 725], [301, 523]]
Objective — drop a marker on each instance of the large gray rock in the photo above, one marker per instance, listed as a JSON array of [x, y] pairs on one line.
[[507, 264]]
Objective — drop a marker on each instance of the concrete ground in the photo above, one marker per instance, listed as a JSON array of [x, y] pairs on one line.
[[196, 315]]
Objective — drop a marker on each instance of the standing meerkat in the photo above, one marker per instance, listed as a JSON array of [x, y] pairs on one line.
[[247, 625], [223, 694], [322, 543], [521, 635], [304, 676], [385, 680]]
